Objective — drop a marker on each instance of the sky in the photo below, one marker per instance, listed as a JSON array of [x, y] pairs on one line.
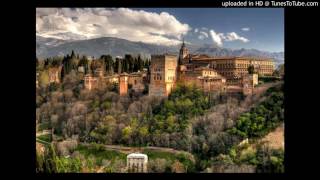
[[257, 28]]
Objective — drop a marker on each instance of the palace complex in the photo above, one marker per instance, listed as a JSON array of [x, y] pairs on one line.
[[228, 74], [211, 74]]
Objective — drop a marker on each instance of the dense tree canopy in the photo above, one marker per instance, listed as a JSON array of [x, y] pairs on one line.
[[208, 125]]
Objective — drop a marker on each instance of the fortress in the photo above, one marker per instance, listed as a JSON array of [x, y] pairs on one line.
[[208, 73], [211, 74]]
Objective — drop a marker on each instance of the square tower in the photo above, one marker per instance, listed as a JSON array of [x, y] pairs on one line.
[[248, 83], [123, 84], [163, 71]]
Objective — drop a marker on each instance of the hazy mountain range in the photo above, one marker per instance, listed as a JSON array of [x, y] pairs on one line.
[[47, 47]]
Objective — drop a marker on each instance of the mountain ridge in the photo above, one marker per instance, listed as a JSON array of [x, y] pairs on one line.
[[48, 47]]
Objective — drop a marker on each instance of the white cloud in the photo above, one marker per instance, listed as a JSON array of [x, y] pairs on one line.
[[245, 29], [203, 35], [196, 30], [135, 25], [234, 36], [218, 38]]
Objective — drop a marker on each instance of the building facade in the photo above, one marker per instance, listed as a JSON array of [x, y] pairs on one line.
[[163, 72], [137, 163], [208, 73], [205, 78], [123, 84], [135, 81], [54, 74], [233, 68]]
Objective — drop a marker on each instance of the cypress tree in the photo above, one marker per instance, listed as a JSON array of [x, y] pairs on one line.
[[73, 56], [108, 63], [84, 62], [140, 64]]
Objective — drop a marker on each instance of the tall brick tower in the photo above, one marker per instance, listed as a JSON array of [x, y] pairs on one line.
[[163, 74], [123, 84]]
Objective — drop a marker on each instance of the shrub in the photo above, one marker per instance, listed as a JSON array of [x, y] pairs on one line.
[[66, 147], [158, 165]]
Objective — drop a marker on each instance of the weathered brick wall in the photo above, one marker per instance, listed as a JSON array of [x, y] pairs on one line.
[[163, 76], [123, 86]]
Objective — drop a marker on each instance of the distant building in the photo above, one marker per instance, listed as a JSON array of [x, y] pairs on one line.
[[208, 73], [248, 83], [90, 82], [137, 163], [163, 74], [135, 81], [123, 84], [233, 68], [166, 71], [95, 80], [205, 78], [54, 74], [211, 74]]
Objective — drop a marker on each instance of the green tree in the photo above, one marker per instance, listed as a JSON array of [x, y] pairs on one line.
[[127, 64], [84, 63], [140, 64], [126, 133], [251, 69], [69, 63], [117, 65], [108, 61], [105, 131]]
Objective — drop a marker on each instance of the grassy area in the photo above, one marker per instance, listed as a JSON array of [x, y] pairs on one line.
[[100, 153], [43, 126], [156, 154], [45, 137]]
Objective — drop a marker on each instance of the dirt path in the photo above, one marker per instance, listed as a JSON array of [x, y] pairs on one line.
[[128, 150]]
